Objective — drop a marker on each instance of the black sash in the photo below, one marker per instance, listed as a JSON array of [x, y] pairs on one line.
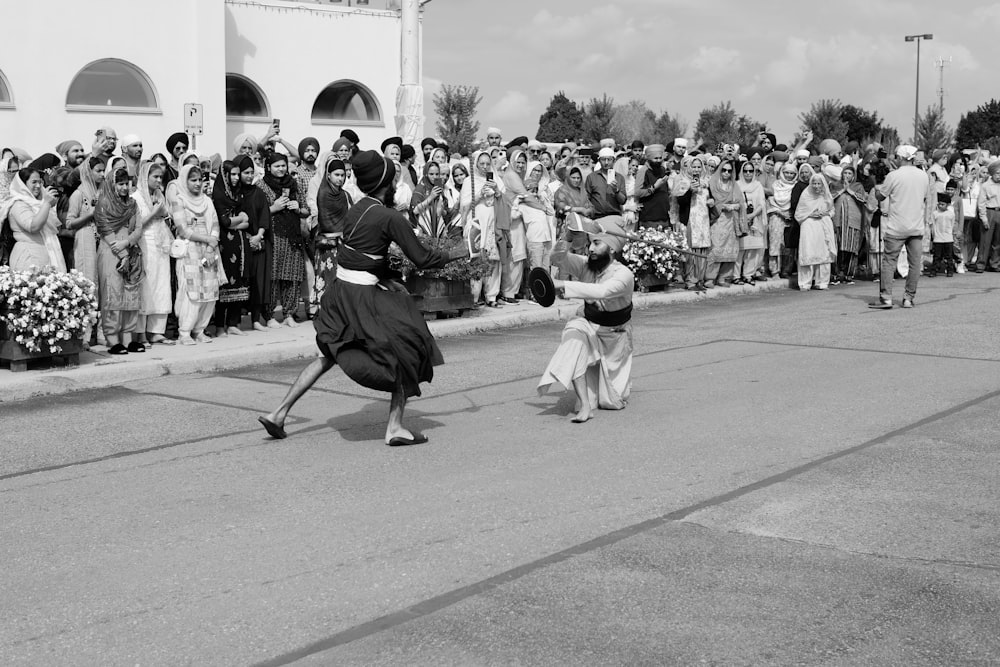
[[607, 318]]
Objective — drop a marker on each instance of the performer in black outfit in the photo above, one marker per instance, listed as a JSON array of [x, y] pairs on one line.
[[367, 322]]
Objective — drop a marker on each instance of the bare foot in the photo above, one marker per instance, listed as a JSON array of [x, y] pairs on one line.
[[582, 416], [403, 437]]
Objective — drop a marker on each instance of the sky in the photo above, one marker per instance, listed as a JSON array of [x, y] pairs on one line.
[[772, 59]]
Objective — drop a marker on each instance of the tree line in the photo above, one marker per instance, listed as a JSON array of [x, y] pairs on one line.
[[601, 117]]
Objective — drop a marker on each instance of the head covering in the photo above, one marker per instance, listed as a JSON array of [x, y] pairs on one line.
[[779, 156], [129, 139], [654, 150], [611, 234], [392, 141], [637, 144], [225, 195], [408, 152], [586, 151], [607, 143], [606, 152], [340, 143], [89, 188], [994, 167], [45, 161], [772, 138], [19, 192], [428, 141], [65, 147], [113, 211], [680, 142], [493, 130], [306, 143], [351, 136], [516, 141], [22, 155], [802, 152], [833, 172], [142, 184], [372, 171], [830, 147], [197, 204], [241, 140], [810, 202], [938, 153], [906, 152], [578, 223], [334, 164], [178, 138]]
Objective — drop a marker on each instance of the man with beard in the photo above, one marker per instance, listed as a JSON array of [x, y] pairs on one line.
[[594, 358], [71, 152], [427, 147], [676, 150], [132, 152], [652, 188], [308, 152], [605, 187], [177, 145], [367, 323]]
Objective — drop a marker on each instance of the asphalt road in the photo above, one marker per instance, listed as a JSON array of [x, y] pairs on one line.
[[797, 480]]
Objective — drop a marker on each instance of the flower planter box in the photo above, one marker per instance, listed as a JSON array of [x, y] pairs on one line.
[[19, 356], [437, 295], [651, 284]]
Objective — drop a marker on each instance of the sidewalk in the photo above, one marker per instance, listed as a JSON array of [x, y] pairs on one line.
[[98, 369]]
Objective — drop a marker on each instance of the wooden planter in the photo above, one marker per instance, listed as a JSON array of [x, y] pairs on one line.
[[437, 295], [19, 356], [651, 284]]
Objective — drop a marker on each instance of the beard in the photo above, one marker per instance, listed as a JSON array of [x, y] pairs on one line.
[[597, 262]]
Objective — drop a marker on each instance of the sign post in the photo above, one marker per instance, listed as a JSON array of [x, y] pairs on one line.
[[194, 115]]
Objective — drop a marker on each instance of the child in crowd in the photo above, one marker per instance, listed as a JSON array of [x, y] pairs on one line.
[[942, 235]]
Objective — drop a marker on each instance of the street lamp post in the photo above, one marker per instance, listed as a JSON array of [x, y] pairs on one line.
[[916, 97]]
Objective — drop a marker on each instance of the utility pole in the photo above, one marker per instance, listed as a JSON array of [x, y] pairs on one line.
[[940, 64], [916, 96]]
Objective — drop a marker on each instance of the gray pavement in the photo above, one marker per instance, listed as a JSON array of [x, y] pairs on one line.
[[796, 480]]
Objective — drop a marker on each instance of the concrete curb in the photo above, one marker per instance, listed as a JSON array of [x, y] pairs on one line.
[[100, 370]]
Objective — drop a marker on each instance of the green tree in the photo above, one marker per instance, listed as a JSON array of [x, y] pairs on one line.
[[747, 130], [562, 120], [456, 109], [825, 121], [597, 117], [979, 126], [633, 120], [716, 125], [933, 132], [860, 123], [669, 128]]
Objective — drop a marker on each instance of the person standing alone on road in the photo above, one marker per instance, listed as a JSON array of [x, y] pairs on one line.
[[903, 226]]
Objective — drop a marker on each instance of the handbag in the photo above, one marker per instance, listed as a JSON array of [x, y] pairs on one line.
[[179, 248]]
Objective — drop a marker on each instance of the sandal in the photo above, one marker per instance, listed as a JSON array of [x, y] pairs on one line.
[[493, 304], [136, 346], [117, 348], [161, 340]]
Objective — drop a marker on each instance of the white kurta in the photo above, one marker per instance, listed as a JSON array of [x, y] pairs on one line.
[[602, 354]]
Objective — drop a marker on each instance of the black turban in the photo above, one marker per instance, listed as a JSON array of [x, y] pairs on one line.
[[392, 141], [351, 136], [177, 138], [372, 171]]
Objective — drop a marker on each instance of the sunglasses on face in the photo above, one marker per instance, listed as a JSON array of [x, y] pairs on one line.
[[727, 171]]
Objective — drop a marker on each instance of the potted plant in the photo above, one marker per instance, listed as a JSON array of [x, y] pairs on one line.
[[43, 313], [654, 265], [444, 289]]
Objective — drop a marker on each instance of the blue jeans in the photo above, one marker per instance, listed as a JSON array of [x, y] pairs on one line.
[[915, 257]]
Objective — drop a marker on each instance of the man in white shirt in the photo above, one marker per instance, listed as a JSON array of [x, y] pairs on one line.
[[905, 190]]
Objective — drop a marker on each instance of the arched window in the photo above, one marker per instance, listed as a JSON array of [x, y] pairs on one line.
[[112, 85], [244, 98], [6, 99], [346, 101]]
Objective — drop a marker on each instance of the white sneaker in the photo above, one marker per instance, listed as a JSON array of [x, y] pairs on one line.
[[186, 340], [273, 324], [290, 323], [236, 331], [257, 326], [960, 268]]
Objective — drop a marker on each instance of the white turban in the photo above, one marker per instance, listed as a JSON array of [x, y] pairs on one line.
[[493, 130], [833, 172], [802, 152], [681, 141], [130, 139], [606, 152], [906, 152], [608, 143]]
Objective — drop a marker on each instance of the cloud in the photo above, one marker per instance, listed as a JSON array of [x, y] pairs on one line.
[[791, 69], [715, 61], [511, 106]]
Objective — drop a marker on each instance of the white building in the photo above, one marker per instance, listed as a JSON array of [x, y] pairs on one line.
[[320, 66]]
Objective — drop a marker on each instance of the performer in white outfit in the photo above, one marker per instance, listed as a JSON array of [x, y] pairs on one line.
[[595, 355]]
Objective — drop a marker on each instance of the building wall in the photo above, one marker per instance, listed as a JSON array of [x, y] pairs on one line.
[[293, 50], [180, 50]]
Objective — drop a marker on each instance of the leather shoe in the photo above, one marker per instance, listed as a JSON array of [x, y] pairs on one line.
[[274, 430]]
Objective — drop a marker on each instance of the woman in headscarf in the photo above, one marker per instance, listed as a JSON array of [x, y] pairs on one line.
[[80, 220], [728, 211], [778, 215], [155, 298], [288, 265], [850, 218], [752, 245], [119, 262], [817, 244], [431, 212], [198, 271], [30, 210], [255, 205], [234, 251], [689, 208], [571, 198], [332, 204], [805, 173], [478, 209], [538, 229], [459, 174], [515, 193]]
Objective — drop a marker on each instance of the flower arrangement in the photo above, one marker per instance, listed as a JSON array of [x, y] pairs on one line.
[[649, 260], [42, 308], [459, 269]]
